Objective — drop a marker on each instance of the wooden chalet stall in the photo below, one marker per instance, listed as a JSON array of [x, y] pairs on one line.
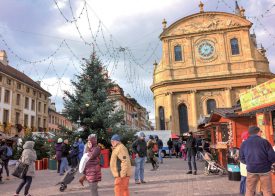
[[260, 100], [226, 126]]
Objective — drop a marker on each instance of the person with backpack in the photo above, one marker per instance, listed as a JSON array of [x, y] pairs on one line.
[[5, 157], [150, 152], [160, 146]]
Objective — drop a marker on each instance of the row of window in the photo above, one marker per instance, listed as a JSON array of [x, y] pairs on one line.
[[57, 121], [19, 87], [6, 114], [178, 54], [183, 115], [18, 101]]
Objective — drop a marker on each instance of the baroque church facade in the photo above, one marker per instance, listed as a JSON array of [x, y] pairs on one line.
[[208, 59]]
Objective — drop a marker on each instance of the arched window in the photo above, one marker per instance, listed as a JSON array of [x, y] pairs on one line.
[[234, 46], [183, 118], [161, 118], [211, 105], [178, 53]]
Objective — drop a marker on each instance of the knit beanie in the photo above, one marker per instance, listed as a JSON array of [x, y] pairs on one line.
[[115, 137]]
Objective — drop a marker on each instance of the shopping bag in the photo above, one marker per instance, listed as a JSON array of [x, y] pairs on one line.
[[85, 158], [20, 170]]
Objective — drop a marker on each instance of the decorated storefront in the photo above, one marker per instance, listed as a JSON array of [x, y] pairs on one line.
[[260, 100]]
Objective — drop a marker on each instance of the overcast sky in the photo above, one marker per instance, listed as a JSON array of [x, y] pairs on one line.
[[49, 44]]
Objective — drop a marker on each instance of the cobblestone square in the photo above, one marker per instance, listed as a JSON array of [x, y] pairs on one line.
[[169, 180]]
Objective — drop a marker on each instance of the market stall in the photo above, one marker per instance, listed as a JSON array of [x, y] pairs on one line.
[[260, 100]]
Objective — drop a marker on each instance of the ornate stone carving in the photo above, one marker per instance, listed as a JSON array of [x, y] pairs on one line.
[[207, 22]]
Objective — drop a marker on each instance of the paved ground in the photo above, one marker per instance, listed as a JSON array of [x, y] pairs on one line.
[[169, 180]]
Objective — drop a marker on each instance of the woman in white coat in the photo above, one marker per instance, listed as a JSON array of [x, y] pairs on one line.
[[28, 157]]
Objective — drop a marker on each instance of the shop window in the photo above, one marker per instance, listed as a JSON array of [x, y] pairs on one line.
[[211, 105], [234, 46], [183, 118], [178, 53], [161, 118], [225, 134]]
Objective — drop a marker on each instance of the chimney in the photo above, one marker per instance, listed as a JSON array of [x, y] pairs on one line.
[[38, 82], [3, 57]]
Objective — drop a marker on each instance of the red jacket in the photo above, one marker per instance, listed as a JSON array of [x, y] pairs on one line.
[[92, 169]]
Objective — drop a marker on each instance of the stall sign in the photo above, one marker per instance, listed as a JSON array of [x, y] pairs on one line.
[[259, 96]]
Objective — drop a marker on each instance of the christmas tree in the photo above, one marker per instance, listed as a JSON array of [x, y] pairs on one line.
[[89, 104]]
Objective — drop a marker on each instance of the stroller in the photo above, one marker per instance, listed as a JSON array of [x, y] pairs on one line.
[[67, 179], [211, 166]]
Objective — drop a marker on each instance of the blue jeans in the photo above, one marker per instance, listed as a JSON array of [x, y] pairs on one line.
[[243, 184], [160, 157], [64, 165], [139, 170], [191, 158]]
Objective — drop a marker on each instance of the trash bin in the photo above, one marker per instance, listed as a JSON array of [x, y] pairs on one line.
[[105, 153], [45, 163], [234, 173], [52, 164], [233, 168]]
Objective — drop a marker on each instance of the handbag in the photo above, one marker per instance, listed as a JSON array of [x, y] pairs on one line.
[[20, 170]]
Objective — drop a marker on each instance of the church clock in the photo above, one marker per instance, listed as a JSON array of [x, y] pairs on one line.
[[206, 49]]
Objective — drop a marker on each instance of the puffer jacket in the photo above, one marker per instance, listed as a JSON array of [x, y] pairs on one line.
[[120, 163], [58, 151], [92, 169], [28, 157]]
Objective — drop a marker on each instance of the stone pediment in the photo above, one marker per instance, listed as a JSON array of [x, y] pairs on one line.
[[203, 22]]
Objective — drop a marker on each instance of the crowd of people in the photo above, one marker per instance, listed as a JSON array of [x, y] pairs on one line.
[[256, 157]]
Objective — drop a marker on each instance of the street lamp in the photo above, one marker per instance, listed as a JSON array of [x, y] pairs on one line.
[[78, 122]]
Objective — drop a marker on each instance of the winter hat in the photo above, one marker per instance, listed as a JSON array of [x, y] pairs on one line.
[[253, 130], [92, 138], [141, 134], [151, 137], [245, 135], [115, 137], [60, 140]]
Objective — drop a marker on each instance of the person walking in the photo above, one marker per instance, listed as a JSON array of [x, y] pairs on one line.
[[5, 157], [92, 169], [191, 149], [160, 146], [74, 154], [81, 147], [65, 149], [258, 155], [139, 148], [120, 166], [170, 147], [2, 158], [58, 153], [28, 157], [177, 148], [243, 170], [151, 154]]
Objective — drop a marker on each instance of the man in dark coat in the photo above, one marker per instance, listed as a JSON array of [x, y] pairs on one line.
[[191, 153], [58, 153], [258, 155], [64, 156], [170, 147], [160, 146]]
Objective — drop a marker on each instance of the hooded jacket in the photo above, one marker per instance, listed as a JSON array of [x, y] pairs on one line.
[[28, 157], [58, 151], [92, 169], [120, 163]]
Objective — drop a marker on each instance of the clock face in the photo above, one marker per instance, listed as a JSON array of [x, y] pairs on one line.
[[206, 49]]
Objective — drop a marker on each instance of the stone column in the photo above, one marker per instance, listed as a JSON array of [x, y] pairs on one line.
[[228, 98], [170, 110], [194, 108]]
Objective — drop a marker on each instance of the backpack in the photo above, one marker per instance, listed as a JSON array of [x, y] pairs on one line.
[[155, 148], [9, 152]]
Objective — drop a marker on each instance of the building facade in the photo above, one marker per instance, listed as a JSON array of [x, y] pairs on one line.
[[57, 119], [135, 116], [23, 102], [208, 59]]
